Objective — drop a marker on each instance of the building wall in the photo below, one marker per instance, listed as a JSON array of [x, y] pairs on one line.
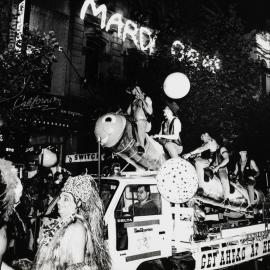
[[90, 52], [56, 18], [76, 42], [262, 52], [5, 18], [91, 60]]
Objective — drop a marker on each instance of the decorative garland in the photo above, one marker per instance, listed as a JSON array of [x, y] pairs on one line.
[[53, 227]]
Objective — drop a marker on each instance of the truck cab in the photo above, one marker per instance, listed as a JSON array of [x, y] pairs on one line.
[[134, 238]]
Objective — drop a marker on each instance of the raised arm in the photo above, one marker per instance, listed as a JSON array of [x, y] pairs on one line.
[[198, 150], [148, 107]]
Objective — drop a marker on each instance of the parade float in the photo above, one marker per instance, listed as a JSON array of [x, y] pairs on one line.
[[192, 228]]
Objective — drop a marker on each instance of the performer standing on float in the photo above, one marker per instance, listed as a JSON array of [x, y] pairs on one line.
[[10, 194], [247, 171], [140, 109], [215, 157], [75, 240], [169, 135]]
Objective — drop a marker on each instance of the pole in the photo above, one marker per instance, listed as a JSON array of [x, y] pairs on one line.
[[60, 155], [99, 163], [267, 181]]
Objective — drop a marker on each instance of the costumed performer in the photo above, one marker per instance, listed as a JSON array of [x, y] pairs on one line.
[[247, 171], [170, 130], [75, 240], [140, 110]]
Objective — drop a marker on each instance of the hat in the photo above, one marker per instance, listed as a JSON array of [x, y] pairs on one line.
[[242, 148], [173, 106], [81, 187]]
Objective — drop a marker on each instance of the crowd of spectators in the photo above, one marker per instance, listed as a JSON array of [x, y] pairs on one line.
[[38, 191]]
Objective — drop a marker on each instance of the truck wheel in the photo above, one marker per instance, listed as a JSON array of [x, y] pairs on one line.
[[152, 265], [183, 261]]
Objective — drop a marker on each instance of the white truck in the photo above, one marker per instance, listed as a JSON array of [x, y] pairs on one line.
[[173, 238], [191, 229]]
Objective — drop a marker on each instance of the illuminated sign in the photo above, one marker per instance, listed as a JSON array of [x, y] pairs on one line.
[[193, 57], [40, 102], [140, 36], [20, 21], [87, 157]]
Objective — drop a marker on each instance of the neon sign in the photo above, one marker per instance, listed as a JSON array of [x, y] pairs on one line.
[[140, 36], [193, 57]]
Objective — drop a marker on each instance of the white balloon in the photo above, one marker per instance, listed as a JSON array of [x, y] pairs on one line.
[[47, 158], [177, 180], [176, 85]]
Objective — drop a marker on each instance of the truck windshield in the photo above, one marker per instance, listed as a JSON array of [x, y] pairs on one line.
[[108, 188]]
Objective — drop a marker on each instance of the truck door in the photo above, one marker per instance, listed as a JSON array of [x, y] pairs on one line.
[[143, 229]]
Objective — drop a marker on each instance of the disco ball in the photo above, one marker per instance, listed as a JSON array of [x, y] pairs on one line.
[[177, 180]]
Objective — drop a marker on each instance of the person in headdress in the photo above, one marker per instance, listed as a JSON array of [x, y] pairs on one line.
[[246, 172], [140, 110], [169, 134], [10, 194], [75, 239]]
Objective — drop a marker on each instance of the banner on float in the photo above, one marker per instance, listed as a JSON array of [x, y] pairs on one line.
[[86, 157], [252, 247]]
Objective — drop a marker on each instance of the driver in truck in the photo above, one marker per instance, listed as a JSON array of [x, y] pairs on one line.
[[144, 206]]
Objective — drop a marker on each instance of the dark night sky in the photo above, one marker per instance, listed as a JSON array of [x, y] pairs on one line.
[[254, 13]]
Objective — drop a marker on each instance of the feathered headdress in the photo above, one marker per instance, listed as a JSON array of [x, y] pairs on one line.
[[81, 187], [8, 183], [84, 188]]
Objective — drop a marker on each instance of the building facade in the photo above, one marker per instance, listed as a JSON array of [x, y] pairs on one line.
[[94, 65], [262, 53]]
